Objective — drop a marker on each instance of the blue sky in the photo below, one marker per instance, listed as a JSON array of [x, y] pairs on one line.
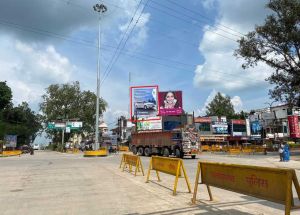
[[179, 45]]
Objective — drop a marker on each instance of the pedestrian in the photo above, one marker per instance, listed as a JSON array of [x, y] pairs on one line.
[[286, 152], [280, 150]]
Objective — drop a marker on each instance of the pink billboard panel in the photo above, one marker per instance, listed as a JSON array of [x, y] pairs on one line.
[[294, 126], [170, 103]]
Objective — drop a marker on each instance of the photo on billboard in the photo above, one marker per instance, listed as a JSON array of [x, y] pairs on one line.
[[170, 103], [144, 103]]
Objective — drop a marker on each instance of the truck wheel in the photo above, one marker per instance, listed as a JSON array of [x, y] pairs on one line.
[[166, 152], [178, 153], [134, 150], [141, 151], [147, 152], [193, 156]]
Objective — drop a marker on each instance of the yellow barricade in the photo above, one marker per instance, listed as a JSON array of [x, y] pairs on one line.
[[171, 166], [132, 160], [234, 151], [272, 184], [205, 148], [124, 148], [247, 151], [11, 153]]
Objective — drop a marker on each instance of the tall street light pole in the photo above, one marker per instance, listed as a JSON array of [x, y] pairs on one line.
[[99, 8]]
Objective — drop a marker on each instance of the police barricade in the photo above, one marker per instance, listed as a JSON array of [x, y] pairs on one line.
[[247, 151], [234, 151], [171, 166], [130, 161], [205, 148], [123, 148], [272, 184]]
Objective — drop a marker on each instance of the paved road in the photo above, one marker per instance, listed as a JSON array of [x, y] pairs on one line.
[[56, 183]]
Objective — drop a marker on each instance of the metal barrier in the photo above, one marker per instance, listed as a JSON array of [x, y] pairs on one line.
[[132, 160], [171, 166], [272, 184]]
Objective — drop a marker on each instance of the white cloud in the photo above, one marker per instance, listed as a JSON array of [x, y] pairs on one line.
[[28, 69], [237, 103], [221, 70], [211, 96], [111, 116]]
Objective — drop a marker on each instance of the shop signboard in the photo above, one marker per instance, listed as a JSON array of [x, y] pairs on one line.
[[170, 103], [294, 126], [144, 103], [219, 128], [255, 128]]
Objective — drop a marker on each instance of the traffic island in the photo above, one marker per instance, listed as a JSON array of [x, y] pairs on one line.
[[96, 153], [11, 153]]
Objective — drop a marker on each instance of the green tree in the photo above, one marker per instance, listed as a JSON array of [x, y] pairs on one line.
[[277, 43], [5, 95], [67, 101], [220, 106], [20, 121]]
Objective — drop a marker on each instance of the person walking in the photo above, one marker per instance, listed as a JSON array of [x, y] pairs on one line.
[[286, 152]]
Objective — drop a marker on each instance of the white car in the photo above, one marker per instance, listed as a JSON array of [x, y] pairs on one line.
[[36, 146], [144, 105]]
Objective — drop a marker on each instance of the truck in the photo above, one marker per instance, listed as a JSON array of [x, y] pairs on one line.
[[178, 143]]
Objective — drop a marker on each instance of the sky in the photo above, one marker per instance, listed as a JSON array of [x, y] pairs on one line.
[[185, 45]]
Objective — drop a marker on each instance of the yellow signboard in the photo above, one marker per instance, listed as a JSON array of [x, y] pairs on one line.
[[130, 161], [273, 184], [171, 166]]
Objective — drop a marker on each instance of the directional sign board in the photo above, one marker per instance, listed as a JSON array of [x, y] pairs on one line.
[[65, 125], [74, 125]]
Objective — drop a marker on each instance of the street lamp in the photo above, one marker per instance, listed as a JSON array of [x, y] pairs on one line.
[[99, 8], [275, 119]]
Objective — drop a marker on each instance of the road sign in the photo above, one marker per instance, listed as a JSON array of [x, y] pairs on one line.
[[74, 125]]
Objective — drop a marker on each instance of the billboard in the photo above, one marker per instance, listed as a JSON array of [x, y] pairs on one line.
[[220, 127], [149, 125], [294, 126], [170, 103], [256, 128], [144, 103], [10, 141]]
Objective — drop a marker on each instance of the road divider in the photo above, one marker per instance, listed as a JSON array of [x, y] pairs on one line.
[[96, 153], [132, 160], [171, 166], [11, 153], [272, 184]]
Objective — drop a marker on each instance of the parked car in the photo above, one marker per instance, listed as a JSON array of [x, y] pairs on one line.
[[144, 105], [36, 146]]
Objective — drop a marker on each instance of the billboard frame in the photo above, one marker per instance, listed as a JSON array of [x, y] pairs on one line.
[[130, 95]]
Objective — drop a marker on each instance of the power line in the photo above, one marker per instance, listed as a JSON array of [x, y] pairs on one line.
[[125, 41], [119, 44], [205, 17]]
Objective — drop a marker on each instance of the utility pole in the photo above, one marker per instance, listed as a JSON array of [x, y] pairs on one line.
[[99, 8]]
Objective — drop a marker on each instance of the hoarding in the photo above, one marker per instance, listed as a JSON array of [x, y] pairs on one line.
[[149, 125], [170, 103], [220, 128], [256, 128], [294, 126], [144, 103], [10, 141]]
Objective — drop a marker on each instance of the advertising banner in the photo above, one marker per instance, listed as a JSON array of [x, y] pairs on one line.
[[170, 103], [294, 126], [10, 141], [255, 128], [220, 127], [149, 125], [144, 102]]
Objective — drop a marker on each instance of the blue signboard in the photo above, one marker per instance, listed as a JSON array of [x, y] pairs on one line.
[[255, 128]]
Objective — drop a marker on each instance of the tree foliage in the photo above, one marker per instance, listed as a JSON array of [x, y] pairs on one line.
[[20, 121], [5, 95], [220, 106], [67, 101], [277, 43]]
